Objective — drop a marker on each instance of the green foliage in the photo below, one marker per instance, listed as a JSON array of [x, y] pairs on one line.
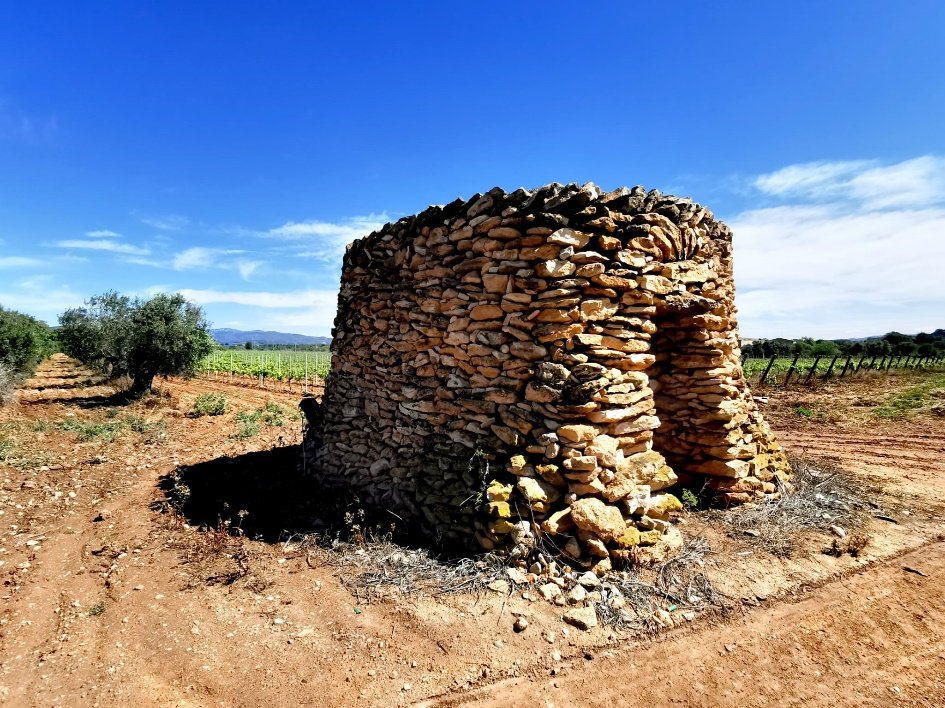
[[110, 428], [926, 395], [99, 334], [803, 411], [274, 414], [209, 404], [165, 335], [97, 609], [24, 342], [6, 447], [689, 499], [138, 424], [278, 364], [248, 423], [88, 430], [893, 343]]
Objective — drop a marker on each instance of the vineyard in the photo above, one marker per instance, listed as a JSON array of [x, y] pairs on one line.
[[307, 369], [786, 370], [302, 368]]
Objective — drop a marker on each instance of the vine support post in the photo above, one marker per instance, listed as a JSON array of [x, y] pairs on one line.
[[790, 373]]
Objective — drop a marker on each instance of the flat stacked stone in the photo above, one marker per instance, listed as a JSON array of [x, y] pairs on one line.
[[540, 366]]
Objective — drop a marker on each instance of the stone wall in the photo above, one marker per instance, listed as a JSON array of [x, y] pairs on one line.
[[539, 367]]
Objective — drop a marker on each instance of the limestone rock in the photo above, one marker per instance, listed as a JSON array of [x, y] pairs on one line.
[[584, 618], [537, 491], [595, 516]]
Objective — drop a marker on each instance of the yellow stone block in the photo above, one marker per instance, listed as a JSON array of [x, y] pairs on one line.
[[500, 509], [498, 492], [629, 538], [650, 538], [501, 526]]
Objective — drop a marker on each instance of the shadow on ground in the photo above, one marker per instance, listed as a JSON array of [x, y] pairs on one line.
[[263, 494]]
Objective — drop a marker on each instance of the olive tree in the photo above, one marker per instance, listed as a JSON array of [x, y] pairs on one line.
[[99, 333], [163, 336]]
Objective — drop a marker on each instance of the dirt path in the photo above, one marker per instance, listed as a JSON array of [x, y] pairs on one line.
[[108, 599], [874, 639]]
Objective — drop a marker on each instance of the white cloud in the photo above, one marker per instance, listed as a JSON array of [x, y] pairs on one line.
[[165, 222], [305, 311], [40, 300], [247, 268], [102, 233], [856, 256], [324, 240], [151, 262], [297, 299], [18, 262], [198, 257], [916, 182], [104, 245]]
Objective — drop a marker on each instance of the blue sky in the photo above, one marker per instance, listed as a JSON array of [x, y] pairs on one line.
[[230, 150]]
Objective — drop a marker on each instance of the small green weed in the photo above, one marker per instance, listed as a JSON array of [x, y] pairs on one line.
[[97, 609], [32, 462], [689, 499], [806, 412], [209, 404], [139, 424], [90, 431], [274, 414], [6, 448], [248, 422], [40, 426]]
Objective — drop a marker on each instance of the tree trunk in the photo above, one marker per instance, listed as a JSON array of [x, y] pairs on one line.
[[141, 384]]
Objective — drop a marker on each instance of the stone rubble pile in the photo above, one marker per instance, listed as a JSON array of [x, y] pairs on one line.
[[535, 369]]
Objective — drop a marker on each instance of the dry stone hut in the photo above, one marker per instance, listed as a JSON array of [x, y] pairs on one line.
[[542, 365]]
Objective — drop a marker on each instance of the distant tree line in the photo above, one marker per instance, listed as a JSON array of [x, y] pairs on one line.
[[924, 344], [278, 347]]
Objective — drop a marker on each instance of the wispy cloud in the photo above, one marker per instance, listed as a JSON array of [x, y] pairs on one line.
[[325, 240], [296, 299], [18, 126], [40, 297], [163, 222], [102, 233], [200, 257], [18, 262], [306, 311], [849, 252], [916, 182], [247, 268], [104, 245]]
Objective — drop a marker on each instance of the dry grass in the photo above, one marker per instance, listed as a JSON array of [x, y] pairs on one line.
[[633, 601], [378, 566], [821, 496]]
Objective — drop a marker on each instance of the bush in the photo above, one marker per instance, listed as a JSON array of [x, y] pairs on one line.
[[165, 335], [24, 342], [248, 423], [209, 404], [6, 384], [274, 414]]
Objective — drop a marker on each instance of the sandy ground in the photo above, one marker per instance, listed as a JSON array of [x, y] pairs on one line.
[[109, 598]]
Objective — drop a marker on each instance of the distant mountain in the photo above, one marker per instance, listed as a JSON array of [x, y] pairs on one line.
[[229, 337]]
